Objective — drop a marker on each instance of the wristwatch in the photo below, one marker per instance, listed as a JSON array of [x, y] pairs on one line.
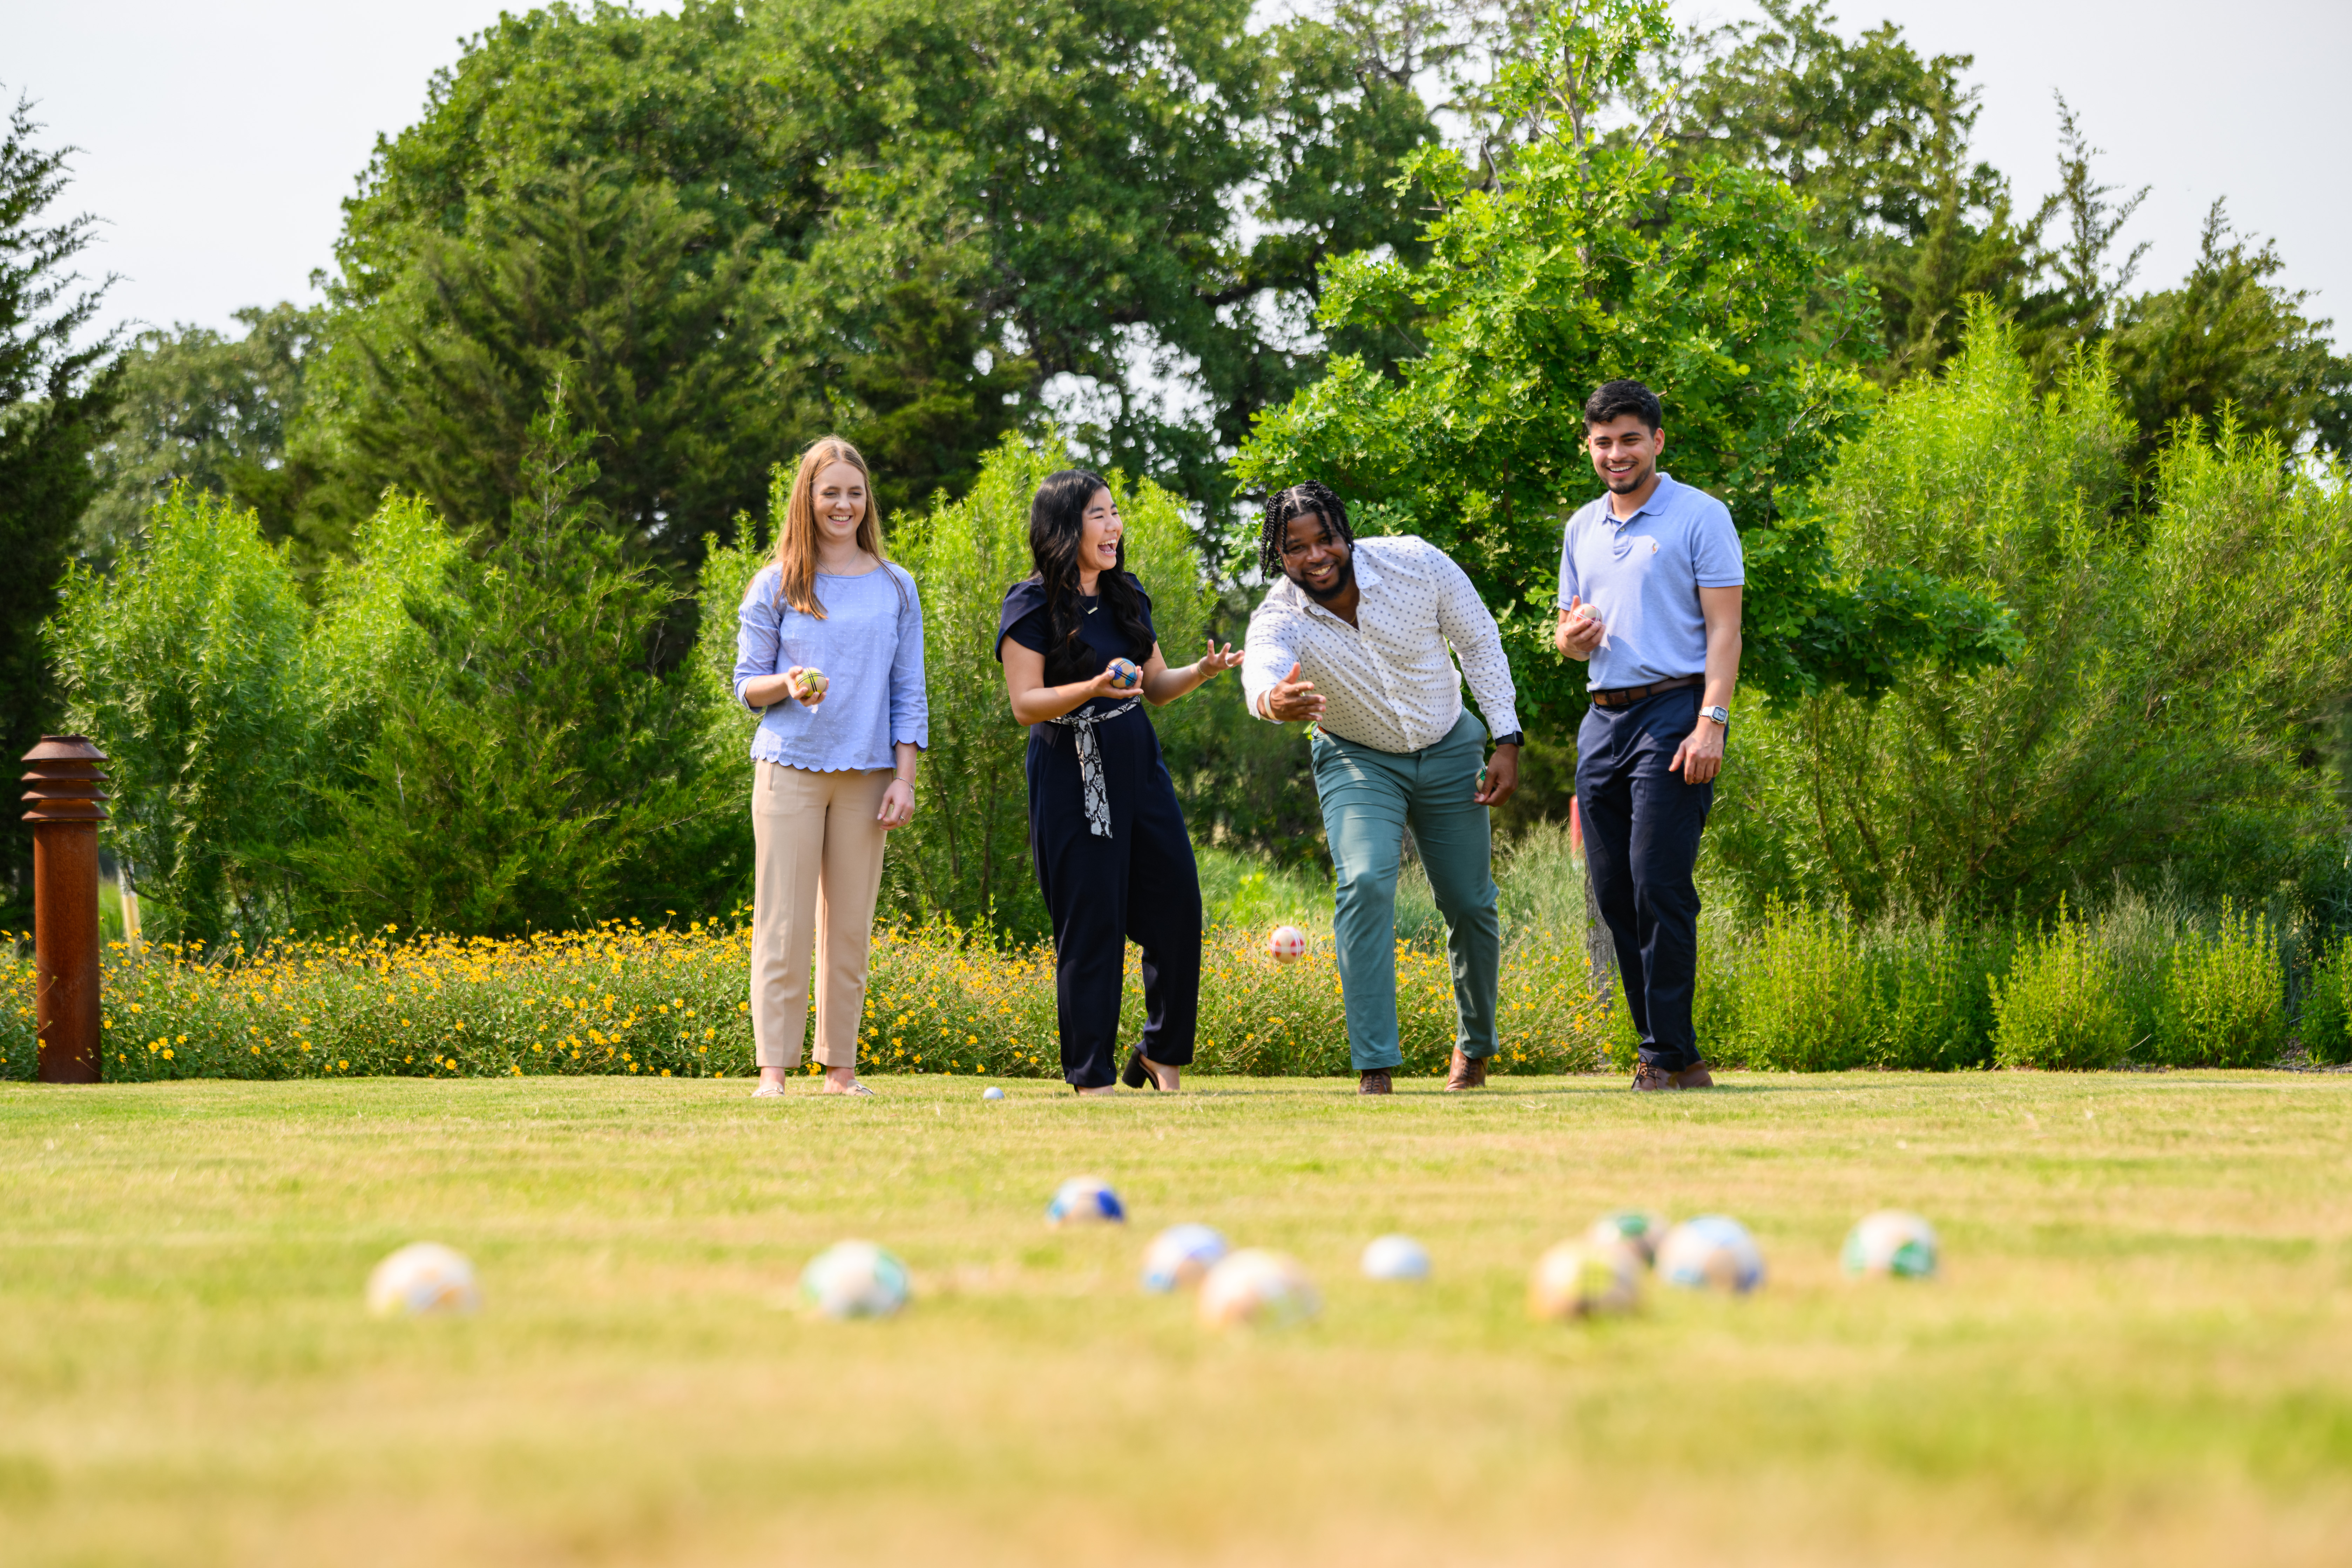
[[1515, 738], [1720, 715]]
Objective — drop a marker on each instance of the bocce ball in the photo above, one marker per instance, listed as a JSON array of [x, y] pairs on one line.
[[422, 1276], [1585, 1279], [1181, 1257], [992, 1092], [1257, 1288], [1123, 675], [1891, 1244], [1630, 1227], [1085, 1200], [813, 683], [1395, 1257], [854, 1279], [1711, 1250], [1287, 943]]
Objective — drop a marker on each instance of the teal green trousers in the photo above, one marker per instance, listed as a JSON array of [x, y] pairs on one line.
[[1370, 797]]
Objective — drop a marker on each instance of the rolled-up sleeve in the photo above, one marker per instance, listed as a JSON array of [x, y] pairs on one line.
[[1477, 645], [1267, 655], [911, 704], [757, 638]]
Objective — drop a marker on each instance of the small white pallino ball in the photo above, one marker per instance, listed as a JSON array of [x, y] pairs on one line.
[[1585, 1279], [1395, 1257], [1181, 1257], [992, 1092], [854, 1279], [1711, 1250], [1258, 1288], [1631, 1227], [1287, 943], [1893, 1244], [422, 1276], [1085, 1200]]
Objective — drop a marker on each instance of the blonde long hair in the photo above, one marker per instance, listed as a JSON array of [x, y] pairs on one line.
[[796, 540]]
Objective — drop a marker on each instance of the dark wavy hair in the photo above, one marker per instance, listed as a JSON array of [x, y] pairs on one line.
[[1297, 502], [1057, 522]]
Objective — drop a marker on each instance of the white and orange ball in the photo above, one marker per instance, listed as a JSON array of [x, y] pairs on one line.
[[1287, 943], [1635, 1228], [1585, 1279], [854, 1279], [1085, 1200], [1891, 1244], [1395, 1257], [1181, 1257], [422, 1277], [1711, 1251], [1125, 675], [1258, 1289]]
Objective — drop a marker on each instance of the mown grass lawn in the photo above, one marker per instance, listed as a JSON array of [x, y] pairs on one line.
[[2141, 1350]]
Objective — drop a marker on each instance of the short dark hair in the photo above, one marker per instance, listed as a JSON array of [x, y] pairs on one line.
[[1615, 399], [1297, 502]]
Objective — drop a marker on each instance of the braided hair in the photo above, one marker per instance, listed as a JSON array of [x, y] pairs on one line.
[[1297, 502]]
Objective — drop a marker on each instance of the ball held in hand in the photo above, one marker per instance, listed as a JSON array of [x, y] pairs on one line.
[[810, 683], [1125, 675], [1287, 943]]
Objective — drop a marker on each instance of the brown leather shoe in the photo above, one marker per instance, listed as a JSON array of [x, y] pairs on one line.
[[1466, 1073], [1695, 1076], [1647, 1078], [1374, 1081]]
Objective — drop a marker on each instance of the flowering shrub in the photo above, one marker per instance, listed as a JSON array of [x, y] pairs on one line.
[[626, 998]]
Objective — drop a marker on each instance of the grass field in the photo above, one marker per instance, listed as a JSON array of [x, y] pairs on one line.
[[2141, 1351]]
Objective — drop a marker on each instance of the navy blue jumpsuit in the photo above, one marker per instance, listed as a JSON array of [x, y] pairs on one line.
[[1138, 884]]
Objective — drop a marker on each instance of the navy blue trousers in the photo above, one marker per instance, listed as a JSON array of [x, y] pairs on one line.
[[1138, 885], [1642, 825]]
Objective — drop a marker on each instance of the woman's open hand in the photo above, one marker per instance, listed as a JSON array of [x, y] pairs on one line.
[[1216, 661]]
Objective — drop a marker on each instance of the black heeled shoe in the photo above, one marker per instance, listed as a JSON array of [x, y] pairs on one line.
[[1134, 1075]]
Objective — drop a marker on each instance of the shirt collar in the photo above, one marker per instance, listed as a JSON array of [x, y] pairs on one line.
[[1657, 503]]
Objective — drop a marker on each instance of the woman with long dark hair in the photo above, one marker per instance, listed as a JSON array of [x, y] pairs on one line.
[[1107, 836]]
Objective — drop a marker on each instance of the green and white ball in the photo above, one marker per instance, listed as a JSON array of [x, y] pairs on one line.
[[1181, 1257], [1258, 1289], [1711, 1251], [1891, 1244], [422, 1277], [854, 1279], [1585, 1279], [1636, 1228]]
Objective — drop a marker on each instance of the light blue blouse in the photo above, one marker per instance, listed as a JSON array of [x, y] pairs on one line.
[[870, 646]]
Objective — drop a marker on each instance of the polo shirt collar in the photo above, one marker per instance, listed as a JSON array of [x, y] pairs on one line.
[[1657, 503]]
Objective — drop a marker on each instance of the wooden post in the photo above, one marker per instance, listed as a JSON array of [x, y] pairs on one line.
[[62, 777]]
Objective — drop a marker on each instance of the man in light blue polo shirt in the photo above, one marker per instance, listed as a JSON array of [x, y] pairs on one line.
[[1650, 580]]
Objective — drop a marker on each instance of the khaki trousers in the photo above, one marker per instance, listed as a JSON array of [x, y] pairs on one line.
[[817, 854]]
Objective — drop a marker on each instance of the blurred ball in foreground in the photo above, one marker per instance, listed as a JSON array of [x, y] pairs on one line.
[[1085, 1200], [854, 1279], [1630, 1227], [1181, 1257], [1395, 1257], [1258, 1288], [1711, 1250], [992, 1092], [422, 1276], [1891, 1243], [1585, 1279], [1287, 943]]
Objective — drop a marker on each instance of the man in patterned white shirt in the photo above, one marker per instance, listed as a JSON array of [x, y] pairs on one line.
[[1353, 640]]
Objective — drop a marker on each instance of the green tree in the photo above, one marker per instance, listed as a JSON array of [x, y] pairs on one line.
[[1581, 260], [56, 395]]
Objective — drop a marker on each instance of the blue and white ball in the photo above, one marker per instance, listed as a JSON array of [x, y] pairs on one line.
[[1585, 1279], [1891, 1244], [854, 1279], [1085, 1200], [1125, 675], [992, 1092], [1181, 1257], [422, 1277], [1395, 1257], [1711, 1250], [1258, 1289], [1635, 1228]]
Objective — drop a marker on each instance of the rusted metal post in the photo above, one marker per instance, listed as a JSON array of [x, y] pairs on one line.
[[62, 780]]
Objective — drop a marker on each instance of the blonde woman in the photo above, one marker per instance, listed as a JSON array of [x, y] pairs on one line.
[[833, 765]]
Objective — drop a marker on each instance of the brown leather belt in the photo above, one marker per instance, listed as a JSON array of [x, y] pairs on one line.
[[1625, 696]]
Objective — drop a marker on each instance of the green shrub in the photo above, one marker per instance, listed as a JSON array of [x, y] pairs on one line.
[[2325, 1025], [1935, 1006], [2058, 1006], [2225, 996], [1807, 1001]]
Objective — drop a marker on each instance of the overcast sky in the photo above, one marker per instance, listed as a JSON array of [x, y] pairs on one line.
[[217, 137]]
